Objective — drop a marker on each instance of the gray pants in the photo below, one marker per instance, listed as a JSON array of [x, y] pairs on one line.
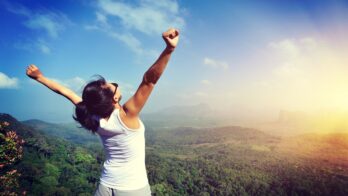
[[106, 191]]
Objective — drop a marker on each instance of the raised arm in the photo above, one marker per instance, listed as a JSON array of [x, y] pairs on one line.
[[34, 73], [134, 105]]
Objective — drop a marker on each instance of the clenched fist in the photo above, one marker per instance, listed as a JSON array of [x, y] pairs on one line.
[[33, 72], [171, 37]]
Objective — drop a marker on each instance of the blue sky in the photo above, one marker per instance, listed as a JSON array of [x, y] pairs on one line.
[[253, 57]]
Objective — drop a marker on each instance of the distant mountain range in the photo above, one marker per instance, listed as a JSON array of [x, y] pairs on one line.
[[291, 123], [189, 160], [68, 131], [33, 138], [52, 165], [288, 123], [200, 115]]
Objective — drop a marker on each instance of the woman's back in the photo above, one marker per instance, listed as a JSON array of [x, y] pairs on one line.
[[124, 167]]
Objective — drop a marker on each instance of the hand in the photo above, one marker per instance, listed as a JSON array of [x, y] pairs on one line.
[[171, 37], [34, 72]]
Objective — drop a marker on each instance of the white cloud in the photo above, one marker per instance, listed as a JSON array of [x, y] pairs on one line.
[[197, 96], [301, 73], [101, 18], [30, 45], [292, 58], [287, 46], [126, 88], [45, 49], [291, 47], [129, 40], [149, 17], [42, 46], [200, 94], [206, 82], [76, 83], [50, 22], [287, 70], [44, 21], [16, 9], [7, 82], [215, 64], [309, 42]]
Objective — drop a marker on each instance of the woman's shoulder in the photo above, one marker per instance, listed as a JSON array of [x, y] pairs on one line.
[[130, 122]]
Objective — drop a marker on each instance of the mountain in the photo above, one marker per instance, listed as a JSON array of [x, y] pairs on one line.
[[212, 135], [200, 115], [68, 131], [291, 116], [185, 160], [33, 138], [292, 123], [52, 165]]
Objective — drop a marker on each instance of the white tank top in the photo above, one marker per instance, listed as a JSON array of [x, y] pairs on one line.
[[124, 167]]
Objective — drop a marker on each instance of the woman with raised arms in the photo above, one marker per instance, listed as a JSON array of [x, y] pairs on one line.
[[119, 126]]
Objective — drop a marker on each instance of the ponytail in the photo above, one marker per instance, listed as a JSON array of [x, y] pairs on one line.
[[85, 118], [97, 103]]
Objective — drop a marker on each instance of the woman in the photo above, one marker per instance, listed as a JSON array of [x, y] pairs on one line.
[[119, 126]]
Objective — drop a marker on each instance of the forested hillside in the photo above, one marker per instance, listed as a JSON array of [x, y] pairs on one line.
[[187, 161], [54, 166]]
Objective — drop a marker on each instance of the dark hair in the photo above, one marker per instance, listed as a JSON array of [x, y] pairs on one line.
[[96, 100]]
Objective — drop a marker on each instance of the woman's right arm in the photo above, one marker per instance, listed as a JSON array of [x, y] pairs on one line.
[[34, 73], [134, 105]]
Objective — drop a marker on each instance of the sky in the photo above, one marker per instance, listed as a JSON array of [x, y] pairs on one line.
[[249, 57]]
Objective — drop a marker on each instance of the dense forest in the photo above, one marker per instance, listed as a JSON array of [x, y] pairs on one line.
[[61, 159]]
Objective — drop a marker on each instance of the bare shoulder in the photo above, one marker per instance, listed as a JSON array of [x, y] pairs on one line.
[[131, 122]]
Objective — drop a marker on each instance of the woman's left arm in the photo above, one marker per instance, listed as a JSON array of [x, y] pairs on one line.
[[34, 73]]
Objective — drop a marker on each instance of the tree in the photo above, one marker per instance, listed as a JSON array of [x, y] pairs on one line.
[[11, 151]]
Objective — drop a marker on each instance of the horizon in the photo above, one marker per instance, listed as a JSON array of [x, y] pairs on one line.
[[287, 123], [249, 59]]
